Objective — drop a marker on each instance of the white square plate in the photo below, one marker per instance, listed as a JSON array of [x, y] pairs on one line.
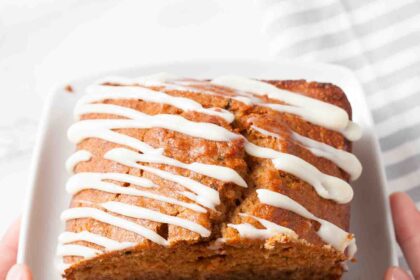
[[47, 197]]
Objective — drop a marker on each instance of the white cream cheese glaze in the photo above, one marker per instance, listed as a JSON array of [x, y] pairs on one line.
[[343, 159], [77, 251], [328, 187], [310, 109], [248, 90], [204, 195], [156, 216], [97, 239], [78, 132], [76, 158], [102, 216], [247, 230], [328, 232], [245, 90]]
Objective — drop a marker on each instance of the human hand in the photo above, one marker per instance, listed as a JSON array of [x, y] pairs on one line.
[[406, 219], [9, 270]]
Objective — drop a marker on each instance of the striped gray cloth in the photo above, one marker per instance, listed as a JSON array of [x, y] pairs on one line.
[[380, 41]]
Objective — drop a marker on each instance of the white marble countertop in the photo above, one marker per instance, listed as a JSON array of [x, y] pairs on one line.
[[46, 42]]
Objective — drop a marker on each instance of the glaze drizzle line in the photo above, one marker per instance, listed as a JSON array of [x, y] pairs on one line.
[[76, 158], [102, 216], [343, 159], [247, 230], [108, 244]]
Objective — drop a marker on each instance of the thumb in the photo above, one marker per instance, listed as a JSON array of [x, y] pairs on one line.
[[396, 273], [19, 272]]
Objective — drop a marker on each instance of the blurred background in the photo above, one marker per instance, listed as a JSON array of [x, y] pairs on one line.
[[47, 42]]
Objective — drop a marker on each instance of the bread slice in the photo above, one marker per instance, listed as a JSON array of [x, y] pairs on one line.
[[225, 179]]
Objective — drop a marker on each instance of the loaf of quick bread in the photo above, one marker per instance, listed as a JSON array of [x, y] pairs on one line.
[[229, 178]]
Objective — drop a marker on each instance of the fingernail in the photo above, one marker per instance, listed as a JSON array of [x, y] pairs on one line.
[[399, 274], [16, 273]]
